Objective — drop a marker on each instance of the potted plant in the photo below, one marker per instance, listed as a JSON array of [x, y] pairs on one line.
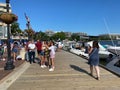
[[8, 18]]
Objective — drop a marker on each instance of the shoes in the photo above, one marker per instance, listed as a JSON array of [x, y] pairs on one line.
[[34, 62], [43, 66], [98, 78], [51, 69]]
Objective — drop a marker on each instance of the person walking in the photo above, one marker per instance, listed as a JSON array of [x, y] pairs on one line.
[[94, 59]]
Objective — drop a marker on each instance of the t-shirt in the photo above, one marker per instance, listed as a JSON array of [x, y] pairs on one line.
[[39, 45], [52, 48], [31, 46]]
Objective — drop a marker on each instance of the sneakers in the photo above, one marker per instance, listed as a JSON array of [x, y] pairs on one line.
[[43, 66], [51, 69]]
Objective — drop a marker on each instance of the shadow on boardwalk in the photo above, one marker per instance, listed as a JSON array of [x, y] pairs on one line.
[[81, 70], [78, 69]]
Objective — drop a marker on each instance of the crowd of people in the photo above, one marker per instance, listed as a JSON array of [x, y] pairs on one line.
[[15, 47], [45, 53]]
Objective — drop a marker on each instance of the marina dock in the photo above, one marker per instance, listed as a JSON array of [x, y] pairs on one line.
[[71, 73]]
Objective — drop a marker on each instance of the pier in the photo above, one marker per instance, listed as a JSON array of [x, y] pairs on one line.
[[71, 73]]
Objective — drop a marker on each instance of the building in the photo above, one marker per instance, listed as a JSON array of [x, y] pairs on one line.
[[81, 34], [111, 35], [3, 26], [49, 32], [68, 34]]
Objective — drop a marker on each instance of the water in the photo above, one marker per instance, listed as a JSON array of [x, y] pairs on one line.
[[109, 42]]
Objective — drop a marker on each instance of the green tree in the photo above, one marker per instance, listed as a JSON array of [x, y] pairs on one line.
[[30, 33], [15, 29], [104, 38], [75, 37], [59, 35], [41, 36]]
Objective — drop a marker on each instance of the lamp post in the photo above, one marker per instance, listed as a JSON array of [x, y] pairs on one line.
[[9, 63]]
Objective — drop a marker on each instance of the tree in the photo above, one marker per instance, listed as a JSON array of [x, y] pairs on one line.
[[30, 33], [15, 29], [59, 35], [75, 37], [41, 36]]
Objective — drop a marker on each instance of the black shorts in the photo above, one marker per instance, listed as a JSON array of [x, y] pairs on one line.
[[39, 51]]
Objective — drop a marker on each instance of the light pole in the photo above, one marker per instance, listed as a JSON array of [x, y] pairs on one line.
[[9, 63]]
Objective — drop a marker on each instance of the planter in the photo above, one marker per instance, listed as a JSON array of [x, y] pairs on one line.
[[8, 18]]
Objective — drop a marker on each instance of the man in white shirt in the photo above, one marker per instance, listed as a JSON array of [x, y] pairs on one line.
[[31, 51]]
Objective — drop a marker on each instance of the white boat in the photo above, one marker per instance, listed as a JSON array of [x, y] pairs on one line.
[[103, 52], [67, 45], [114, 49]]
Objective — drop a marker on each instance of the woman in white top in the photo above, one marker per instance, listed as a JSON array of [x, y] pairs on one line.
[[52, 56]]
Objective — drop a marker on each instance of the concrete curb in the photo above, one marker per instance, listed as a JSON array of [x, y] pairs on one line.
[[9, 79]]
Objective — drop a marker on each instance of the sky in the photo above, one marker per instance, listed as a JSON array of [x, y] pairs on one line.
[[93, 17]]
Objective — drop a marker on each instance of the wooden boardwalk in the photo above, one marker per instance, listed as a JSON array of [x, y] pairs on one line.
[[71, 73]]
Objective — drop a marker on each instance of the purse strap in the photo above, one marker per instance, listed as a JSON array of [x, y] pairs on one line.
[[93, 51]]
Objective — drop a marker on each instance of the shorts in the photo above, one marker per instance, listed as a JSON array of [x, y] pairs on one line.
[[39, 51], [14, 50], [42, 53]]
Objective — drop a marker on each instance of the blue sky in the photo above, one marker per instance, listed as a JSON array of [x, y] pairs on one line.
[[93, 17]]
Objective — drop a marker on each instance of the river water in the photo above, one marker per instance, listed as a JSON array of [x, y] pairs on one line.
[[110, 42]]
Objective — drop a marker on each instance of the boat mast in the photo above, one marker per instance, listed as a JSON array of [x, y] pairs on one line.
[[106, 25]]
